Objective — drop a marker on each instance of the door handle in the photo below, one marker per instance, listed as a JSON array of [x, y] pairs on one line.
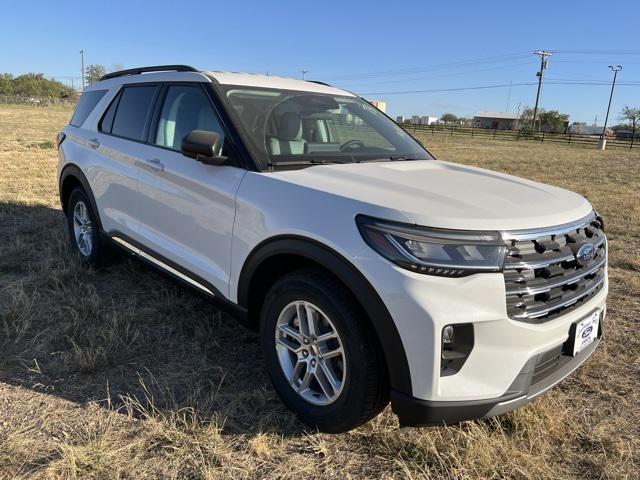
[[154, 164], [94, 143]]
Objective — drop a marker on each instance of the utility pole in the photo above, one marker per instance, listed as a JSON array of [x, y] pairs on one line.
[[304, 72], [543, 65], [603, 140], [509, 95], [82, 66]]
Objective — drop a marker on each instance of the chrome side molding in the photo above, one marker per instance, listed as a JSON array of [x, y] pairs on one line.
[[135, 250]]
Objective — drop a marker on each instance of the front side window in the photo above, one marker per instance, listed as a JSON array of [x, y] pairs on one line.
[[185, 108], [88, 101], [133, 111], [291, 127]]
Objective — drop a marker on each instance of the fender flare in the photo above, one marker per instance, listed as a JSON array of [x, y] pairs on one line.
[[74, 171], [347, 273]]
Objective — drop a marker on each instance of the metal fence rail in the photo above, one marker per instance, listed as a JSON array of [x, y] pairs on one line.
[[520, 135], [37, 101]]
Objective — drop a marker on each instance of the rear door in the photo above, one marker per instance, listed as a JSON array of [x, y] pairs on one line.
[[119, 141], [188, 208]]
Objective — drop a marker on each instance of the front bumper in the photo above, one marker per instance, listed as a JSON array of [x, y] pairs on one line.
[[539, 374]]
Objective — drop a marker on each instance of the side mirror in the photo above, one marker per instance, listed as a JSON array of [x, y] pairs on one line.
[[202, 146]]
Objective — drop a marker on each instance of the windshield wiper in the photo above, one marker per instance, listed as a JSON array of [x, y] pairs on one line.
[[312, 161], [399, 158]]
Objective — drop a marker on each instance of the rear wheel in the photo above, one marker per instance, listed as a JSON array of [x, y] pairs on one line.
[[84, 235], [324, 360]]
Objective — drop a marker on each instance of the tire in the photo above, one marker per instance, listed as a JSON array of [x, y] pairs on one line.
[[363, 389], [84, 233]]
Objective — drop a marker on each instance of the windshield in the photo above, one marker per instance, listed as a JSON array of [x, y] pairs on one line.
[[294, 128]]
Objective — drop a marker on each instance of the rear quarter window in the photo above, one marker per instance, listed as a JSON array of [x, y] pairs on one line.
[[88, 101]]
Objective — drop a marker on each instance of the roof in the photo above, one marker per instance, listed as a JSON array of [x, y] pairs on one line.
[[168, 73], [266, 81], [500, 115]]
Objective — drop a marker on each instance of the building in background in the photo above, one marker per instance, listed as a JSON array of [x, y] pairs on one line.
[[427, 120], [423, 120], [382, 106], [400, 119], [496, 120], [577, 129]]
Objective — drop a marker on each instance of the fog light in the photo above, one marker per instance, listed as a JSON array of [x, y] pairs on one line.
[[448, 336], [456, 345]]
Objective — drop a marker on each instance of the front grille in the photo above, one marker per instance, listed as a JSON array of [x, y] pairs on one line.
[[542, 275]]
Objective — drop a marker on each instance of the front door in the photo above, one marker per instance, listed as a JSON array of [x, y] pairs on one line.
[[188, 208]]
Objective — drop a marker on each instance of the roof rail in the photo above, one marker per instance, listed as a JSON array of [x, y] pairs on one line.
[[156, 68], [319, 82]]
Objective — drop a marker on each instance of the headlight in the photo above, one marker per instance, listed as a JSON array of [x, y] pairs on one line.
[[447, 253]]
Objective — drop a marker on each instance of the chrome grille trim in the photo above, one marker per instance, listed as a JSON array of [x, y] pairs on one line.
[[533, 233], [559, 283], [571, 301], [543, 278]]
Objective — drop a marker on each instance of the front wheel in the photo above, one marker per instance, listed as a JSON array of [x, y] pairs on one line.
[[323, 358]]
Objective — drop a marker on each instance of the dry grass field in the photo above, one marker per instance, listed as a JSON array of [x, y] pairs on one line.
[[122, 373]]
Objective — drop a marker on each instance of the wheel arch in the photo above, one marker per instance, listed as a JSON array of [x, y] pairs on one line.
[[280, 255], [70, 178]]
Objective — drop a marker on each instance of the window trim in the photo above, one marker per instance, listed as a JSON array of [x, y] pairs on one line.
[[116, 100], [216, 96]]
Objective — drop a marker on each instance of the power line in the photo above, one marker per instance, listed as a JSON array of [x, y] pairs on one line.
[[434, 67], [504, 85], [599, 52], [441, 75], [480, 87]]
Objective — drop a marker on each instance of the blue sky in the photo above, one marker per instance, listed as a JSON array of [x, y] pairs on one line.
[[368, 47]]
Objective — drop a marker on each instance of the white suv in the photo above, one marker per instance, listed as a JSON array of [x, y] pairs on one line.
[[371, 270]]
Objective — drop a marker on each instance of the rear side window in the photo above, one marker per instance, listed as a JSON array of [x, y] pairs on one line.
[[88, 101], [133, 112]]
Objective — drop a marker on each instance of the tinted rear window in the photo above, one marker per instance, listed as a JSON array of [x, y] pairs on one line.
[[88, 101], [133, 111]]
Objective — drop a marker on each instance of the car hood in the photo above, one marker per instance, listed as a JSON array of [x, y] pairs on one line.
[[446, 195]]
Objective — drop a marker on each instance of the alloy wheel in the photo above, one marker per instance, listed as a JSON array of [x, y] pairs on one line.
[[310, 353], [82, 228]]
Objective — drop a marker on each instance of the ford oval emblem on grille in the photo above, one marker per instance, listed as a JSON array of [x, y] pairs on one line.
[[585, 254], [587, 332]]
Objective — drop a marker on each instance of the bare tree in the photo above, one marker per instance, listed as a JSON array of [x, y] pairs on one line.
[[632, 115], [94, 72]]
